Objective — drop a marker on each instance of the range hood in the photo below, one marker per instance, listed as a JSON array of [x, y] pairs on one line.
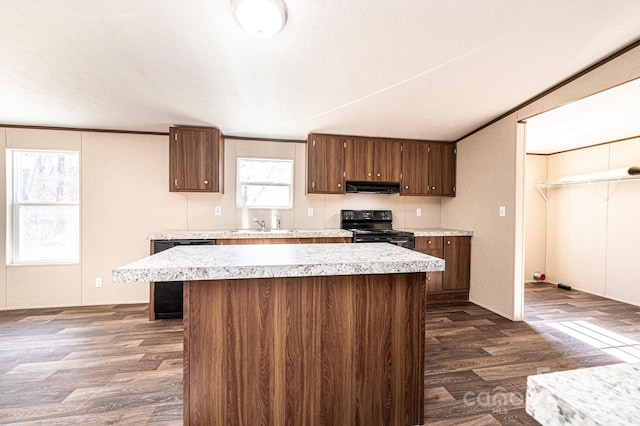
[[373, 187]]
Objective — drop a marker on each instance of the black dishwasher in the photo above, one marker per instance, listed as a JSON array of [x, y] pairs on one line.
[[167, 295]]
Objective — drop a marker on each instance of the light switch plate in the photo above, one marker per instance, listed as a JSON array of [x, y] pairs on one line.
[[502, 211], [310, 211], [418, 212], [218, 211]]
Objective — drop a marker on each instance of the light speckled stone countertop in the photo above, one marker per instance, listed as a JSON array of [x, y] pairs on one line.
[[438, 232], [290, 233], [190, 263], [607, 395], [249, 233]]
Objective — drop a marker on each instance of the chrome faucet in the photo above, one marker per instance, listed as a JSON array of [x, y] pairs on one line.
[[277, 222], [261, 223]]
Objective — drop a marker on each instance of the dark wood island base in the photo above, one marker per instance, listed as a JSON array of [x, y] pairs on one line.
[[320, 350]]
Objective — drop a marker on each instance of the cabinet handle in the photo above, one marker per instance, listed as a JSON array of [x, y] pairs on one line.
[[433, 187], [339, 185], [206, 182], [406, 187], [448, 242], [428, 241], [378, 174], [428, 278], [368, 174]]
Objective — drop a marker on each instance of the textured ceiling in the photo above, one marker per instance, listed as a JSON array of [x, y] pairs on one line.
[[398, 68]]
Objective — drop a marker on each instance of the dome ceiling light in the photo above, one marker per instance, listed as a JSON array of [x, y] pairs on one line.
[[260, 18]]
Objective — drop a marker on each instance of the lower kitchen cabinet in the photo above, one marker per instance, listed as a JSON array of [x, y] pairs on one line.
[[453, 283]]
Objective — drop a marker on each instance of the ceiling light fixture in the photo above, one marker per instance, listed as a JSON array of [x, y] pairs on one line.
[[260, 18]]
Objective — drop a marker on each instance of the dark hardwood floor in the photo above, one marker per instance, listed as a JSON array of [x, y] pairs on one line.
[[99, 365], [478, 362], [108, 365]]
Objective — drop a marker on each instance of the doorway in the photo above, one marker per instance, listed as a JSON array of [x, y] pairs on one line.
[[581, 194]]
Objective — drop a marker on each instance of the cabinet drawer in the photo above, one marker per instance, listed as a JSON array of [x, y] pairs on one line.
[[429, 243]]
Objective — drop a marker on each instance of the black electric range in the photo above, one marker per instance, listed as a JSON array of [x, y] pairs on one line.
[[374, 226]]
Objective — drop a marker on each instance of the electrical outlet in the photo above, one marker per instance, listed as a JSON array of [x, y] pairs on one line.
[[218, 211], [502, 211], [310, 211], [98, 282], [418, 212]]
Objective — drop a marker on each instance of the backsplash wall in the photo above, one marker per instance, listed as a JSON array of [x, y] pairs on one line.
[[326, 208]]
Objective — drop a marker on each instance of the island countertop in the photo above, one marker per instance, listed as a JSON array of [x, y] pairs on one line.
[[194, 263]]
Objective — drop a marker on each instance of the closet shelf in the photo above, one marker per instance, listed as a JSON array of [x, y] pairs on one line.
[[614, 175]]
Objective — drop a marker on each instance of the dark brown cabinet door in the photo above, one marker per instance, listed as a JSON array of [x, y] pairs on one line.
[[415, 168], [387, 160], [369, 160], [433, 247], [457, 257], [196, 160], [325, 164], [434, 282], [449, 161], [358, 160], [442, 169]]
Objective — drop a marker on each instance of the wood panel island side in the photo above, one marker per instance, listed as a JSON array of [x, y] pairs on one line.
[[318, 334]]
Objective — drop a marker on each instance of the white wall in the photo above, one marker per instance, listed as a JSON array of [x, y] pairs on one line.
[[535, 217], [485, 180], [124, 196], [576, 221], [593, 229]]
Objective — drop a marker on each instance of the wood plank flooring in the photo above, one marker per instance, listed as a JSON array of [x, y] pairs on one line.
[[478, 362], [108, 365], [102, 365]]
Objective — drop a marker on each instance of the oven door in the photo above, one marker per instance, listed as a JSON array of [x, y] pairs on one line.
[[402, 241]]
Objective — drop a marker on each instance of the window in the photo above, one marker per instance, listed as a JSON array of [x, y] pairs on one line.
[[265, 183], [45, 211]]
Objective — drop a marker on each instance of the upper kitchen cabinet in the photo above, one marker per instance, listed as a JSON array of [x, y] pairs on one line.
[[415, 168], [428, 169], [421, 167], [196, 157], [373, 160], [442, 169], [325, 164]]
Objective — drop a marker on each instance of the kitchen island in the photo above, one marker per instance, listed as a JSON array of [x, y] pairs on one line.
[[317, 334]]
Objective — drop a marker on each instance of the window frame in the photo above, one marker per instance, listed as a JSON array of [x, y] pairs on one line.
[[13, 256], [239, 183]]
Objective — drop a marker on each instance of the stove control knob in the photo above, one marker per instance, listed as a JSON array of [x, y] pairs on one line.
[[349, 214]]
